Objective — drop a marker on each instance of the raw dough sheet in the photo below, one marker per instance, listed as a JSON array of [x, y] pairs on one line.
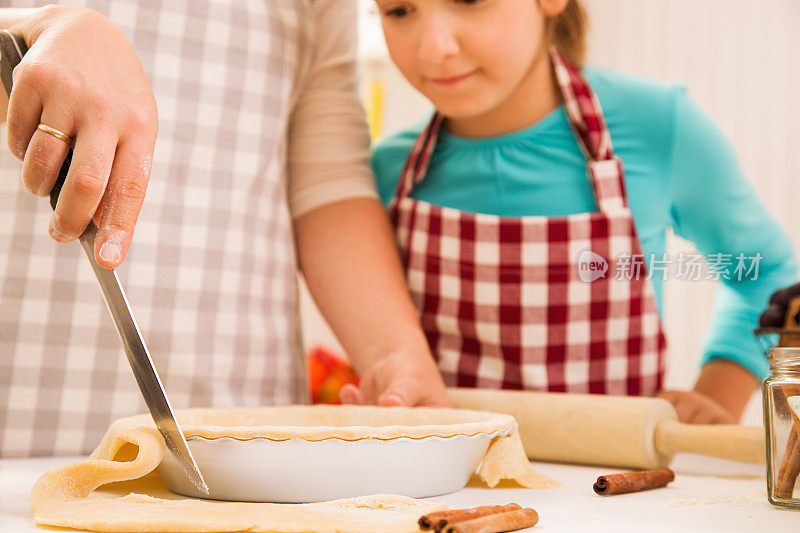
[[119, 490]]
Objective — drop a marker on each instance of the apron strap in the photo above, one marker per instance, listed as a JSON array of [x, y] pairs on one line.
[[589, 125], [416, 165]]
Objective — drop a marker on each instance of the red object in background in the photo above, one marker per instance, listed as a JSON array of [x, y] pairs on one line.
[[328, 372]]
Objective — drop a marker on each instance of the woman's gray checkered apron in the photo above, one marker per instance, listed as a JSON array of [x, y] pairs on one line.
[[211, 273]]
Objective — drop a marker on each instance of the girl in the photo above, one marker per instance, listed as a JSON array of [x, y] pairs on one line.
[[529, 205]]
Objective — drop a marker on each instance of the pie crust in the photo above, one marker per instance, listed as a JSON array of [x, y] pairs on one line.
[[119, 490]]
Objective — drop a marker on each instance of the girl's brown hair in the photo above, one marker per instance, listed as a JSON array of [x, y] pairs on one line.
[[567, 32]]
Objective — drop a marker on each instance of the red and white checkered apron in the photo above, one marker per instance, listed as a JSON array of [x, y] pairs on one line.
[[501, 298]]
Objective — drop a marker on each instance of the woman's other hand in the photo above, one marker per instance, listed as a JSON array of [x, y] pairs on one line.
[[400, 379], [82, 77]]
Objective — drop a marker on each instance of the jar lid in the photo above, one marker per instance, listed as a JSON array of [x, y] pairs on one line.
[[785, 358]]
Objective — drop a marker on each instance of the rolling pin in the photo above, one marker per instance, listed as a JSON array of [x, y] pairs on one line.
[[620, 431]]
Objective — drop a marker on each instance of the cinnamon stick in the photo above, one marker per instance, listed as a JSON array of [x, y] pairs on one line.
[[496, 523], [790, 462], [633, 481], [790, 467], [440, 519]]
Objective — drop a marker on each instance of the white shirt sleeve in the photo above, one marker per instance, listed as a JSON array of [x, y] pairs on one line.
[[328, 146]]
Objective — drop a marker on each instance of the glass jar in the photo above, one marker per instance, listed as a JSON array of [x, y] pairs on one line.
[[782, 424]]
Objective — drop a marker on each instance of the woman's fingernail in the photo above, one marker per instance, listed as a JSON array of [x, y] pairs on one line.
[[43, 190], [392, 399], [57, 235], [110, 252]]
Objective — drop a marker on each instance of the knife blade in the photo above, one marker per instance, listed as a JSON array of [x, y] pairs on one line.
[[12, 48]]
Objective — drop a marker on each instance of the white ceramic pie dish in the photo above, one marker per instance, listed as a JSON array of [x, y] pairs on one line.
[[297, 471], [318, 453]]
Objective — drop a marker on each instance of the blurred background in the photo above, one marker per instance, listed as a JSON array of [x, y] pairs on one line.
[[740, 60]]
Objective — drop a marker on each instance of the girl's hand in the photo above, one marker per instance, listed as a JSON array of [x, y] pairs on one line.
[[81, 76], [400, 379], [696, 408]]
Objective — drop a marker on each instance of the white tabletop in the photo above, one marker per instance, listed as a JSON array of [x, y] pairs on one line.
[[707, 495]]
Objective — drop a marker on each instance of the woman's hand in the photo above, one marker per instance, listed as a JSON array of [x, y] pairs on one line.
[[81, 76], [696, 408], [399, 379]]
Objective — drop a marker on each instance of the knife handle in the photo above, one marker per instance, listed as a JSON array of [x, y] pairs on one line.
[[12, 48]]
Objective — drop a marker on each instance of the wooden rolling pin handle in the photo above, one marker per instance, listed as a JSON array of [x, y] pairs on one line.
[[738, 443]]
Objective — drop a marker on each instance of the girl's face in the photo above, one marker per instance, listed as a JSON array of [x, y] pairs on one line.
[[466, 56]]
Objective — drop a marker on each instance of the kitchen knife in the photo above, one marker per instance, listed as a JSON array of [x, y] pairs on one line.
[[12, 48]]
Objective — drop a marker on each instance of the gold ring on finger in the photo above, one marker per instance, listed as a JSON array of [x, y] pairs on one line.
[[55, 133]]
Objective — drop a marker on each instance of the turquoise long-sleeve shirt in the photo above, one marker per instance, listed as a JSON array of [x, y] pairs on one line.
[[680, 173]]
